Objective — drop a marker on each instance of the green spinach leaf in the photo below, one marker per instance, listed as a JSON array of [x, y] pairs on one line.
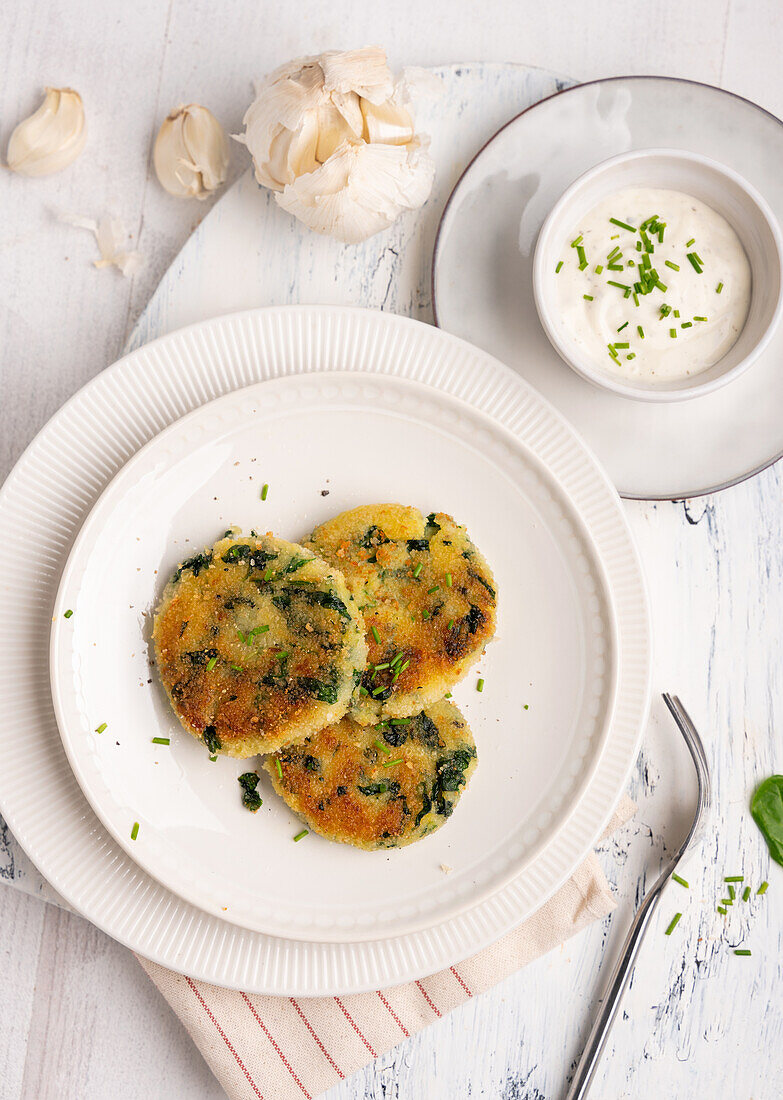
[[767, 809]]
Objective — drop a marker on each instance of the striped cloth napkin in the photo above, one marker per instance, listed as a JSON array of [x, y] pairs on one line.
[[286, 1048]]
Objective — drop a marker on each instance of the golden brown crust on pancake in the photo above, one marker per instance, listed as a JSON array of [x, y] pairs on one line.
[[337, 782], [428, 599], [258, 644]]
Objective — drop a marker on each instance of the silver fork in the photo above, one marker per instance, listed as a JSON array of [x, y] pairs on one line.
[[622, 970]]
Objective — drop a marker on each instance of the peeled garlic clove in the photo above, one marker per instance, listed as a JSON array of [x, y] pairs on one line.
[[333, 130], [386, 123], [51, 138], [191, 153]]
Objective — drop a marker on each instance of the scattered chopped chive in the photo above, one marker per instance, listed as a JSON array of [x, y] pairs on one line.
[[212, 759], [384, 748], [616, 251], [732, 892], [614, 237], [722, 911], [587, 297], [681, 881], [673, 333], [598, 268], [425, 615], [661, 286], [631, 356], [241, 636], [622, 344], [211, 663], [264, 492], [636, 298], [622, 326], [161, 740], [676, 313], [400, 721], [378, 690], [640, 330], [376, 635], [613, 353], [691, 257], [734, 878], [615, 267], [279, 768], [726, 901], [719, 288], [268, 573], [622, 225], [135, 830], [68, 614], [480, 685], [690, 242], [698, 259], [526, 706], [382, 666], [448, 580], [620, 286], [665, 310], [435, 588], [418, 569], [746, 893], [363, 690], [101, 727], [686, 324], [763, 888], [391, 763], [559, 265], [450, 624], [578, 240], [582, 257], [299, 836], [700, 318], [741, 951], [674, 923], [673, 266], [402, 667]]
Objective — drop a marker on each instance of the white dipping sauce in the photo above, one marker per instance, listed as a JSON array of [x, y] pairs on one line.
[[657, 355]]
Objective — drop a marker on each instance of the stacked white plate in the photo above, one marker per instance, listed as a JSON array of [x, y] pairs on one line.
[[154, 459]]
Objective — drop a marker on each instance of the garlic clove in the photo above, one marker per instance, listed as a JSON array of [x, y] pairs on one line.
[[333, 130], [51, 138], [362, 71], [386, 123], [191, 153]]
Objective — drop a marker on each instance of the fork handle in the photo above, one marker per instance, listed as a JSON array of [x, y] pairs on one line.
[[614, 991]]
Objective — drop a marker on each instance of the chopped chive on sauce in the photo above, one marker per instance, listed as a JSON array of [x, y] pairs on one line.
[[299, 836], [640, 330], [265, 492], [559, 266], [674, 922], [622, 225], [673, 333], [719, 288], [101, 727], [681, 881], [480, 685], [690, 242], [742, 951], [279, 768], [673, 266], [587, 297], [700, 318], [135, 830], [622, 326], [211, 663], [763, 888], [68, 614], [161, 740], [598, 268], [746, 893], [686, 324]]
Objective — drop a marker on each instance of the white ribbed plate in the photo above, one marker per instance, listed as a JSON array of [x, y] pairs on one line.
[[369, 438], [42, 506]]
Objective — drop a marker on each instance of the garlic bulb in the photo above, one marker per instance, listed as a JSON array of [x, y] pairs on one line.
[[191, 153], [334, 137], [51, 138]]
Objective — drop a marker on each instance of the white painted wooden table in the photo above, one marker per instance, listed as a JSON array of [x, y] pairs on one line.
[[79, 1019]]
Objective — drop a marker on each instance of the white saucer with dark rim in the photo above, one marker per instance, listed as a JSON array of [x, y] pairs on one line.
[[482, 274]]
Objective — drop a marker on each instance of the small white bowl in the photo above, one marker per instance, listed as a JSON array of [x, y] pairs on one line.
[[716, 186]]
